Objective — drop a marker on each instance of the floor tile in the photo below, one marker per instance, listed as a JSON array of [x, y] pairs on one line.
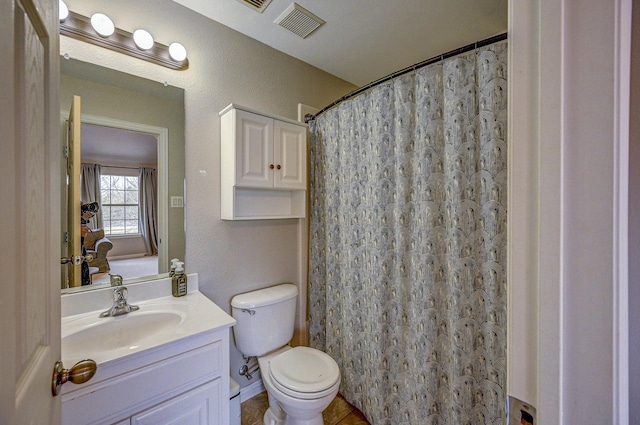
[[252, 410], [354, 418], [339, 412]]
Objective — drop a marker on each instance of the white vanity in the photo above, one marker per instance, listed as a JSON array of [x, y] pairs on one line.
[[168, 362]]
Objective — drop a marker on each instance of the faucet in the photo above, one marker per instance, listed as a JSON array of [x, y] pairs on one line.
[[115, 280], [120, 305]]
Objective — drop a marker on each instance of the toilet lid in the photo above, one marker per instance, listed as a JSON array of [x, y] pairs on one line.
[[303, 370]]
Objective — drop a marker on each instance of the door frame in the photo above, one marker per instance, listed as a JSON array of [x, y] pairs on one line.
[[566, 311]]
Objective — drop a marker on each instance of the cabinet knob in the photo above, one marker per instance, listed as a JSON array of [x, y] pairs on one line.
[[278, 167], [271, 166]]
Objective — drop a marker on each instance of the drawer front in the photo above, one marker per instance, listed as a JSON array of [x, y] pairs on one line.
[[121, 396]]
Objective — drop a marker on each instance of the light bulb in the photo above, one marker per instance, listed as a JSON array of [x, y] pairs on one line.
[[102, 24], [177, 52], [63, 11], [143, 39]]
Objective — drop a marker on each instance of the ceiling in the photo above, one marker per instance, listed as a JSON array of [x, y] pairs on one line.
[[364, 40], [115, 146]]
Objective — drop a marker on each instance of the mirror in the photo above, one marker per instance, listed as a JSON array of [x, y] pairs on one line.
[[128, 123]]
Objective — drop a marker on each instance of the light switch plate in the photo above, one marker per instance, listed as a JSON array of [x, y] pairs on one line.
[[519, 412], [177, 202]]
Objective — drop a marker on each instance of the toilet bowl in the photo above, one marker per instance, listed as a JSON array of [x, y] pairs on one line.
[[300, 382]]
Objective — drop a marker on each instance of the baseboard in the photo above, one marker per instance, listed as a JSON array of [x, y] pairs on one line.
[[127, 257], [251, 390]]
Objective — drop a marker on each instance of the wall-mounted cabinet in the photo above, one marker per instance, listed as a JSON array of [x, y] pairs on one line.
[[263, 165]]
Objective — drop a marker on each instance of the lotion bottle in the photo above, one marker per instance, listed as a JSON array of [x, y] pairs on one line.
[[179, 281]]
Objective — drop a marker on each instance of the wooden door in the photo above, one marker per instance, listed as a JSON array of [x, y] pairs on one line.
[[73, 157], [29, 211]]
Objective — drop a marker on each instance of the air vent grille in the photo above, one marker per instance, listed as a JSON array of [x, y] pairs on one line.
[[299, 20], [258, 5]]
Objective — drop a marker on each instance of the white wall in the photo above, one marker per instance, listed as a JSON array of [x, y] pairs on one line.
[[224, 67]]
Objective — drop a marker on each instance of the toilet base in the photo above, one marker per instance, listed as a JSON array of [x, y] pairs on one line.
[[271, 419]]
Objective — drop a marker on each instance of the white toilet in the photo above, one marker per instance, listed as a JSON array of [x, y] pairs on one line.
[[300, 381]]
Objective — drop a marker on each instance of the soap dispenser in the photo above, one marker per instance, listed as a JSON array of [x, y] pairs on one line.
[[172, 270], [179, 281]]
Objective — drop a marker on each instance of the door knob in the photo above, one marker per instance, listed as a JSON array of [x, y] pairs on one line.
[[80, 373], [78, 259]]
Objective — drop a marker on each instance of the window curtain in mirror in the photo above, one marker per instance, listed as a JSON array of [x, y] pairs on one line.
[[408, 218], [90, 191], [148, 217]]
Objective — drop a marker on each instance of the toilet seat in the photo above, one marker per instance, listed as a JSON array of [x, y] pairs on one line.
[[304, 372]]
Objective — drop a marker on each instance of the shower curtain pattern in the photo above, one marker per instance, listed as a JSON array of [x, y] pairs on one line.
[[408, 243]]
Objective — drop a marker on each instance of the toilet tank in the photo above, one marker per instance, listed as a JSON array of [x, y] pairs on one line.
[[264, 319]]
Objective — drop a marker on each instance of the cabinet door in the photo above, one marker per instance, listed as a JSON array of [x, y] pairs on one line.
[[254, 150], [290, 156], [201, 406]]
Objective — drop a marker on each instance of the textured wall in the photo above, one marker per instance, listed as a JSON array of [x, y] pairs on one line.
[[224, 67]]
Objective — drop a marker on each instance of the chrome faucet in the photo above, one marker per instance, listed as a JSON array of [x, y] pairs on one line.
[[120, 305]]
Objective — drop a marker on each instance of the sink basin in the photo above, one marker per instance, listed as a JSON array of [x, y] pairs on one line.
[[126, 331], [102, 339]]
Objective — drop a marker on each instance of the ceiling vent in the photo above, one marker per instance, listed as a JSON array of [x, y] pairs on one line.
[[257, 5], [298, 20]]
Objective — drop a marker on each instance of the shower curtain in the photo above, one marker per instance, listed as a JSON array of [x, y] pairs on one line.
[[408, 243]]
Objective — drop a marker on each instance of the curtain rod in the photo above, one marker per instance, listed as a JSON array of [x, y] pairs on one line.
[[406, 70], [118, 166]]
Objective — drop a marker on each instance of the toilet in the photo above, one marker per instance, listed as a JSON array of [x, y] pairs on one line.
[[300, 381]]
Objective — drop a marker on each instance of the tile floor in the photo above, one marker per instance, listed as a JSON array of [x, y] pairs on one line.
[[339, 412]]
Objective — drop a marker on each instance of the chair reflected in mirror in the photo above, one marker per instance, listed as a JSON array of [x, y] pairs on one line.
[[98, 245]]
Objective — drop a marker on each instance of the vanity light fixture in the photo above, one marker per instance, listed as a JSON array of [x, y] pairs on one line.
[[177, 52], [63, 11], [102, 24], [139, 45], [143, 39]]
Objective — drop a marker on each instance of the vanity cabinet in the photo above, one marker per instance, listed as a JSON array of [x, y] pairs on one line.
[[168, 386], [196, 407], [166, 363], [263, 165]]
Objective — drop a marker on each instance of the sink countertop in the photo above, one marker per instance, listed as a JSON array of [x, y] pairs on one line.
[[191, 315], [91, 298]]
